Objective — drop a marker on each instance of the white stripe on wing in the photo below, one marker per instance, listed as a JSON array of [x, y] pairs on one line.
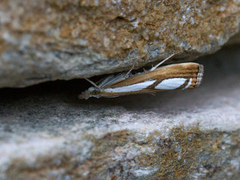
[[131, 88], [172, 83], [189, 83]]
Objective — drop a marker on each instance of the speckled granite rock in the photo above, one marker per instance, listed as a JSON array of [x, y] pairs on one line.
[[47, 133], [44, 40]]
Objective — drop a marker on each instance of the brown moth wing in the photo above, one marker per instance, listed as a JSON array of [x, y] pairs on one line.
[[189, 71], [183, 70]]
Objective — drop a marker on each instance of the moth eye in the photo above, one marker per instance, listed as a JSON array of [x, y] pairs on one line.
[[95, 92]]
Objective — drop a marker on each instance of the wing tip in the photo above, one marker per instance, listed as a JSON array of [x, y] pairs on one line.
[[200, 75]]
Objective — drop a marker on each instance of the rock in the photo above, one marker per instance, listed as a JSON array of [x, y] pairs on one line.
[[47, 133], [48, 40], [234, 40]]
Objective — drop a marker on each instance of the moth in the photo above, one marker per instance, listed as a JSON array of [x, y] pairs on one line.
[[170, 77]]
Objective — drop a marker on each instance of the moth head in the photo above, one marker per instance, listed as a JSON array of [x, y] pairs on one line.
[[91, 92]]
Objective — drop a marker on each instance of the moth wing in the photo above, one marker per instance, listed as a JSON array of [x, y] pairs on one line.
[[180, 76], [131, 88], [175, 76], [112, 79], [170, 77]]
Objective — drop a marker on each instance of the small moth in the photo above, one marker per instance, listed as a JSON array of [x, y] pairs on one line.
[[169, 77]]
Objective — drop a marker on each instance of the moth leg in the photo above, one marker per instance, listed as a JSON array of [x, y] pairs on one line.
[[94, 84], [163, 61], [126, 75]]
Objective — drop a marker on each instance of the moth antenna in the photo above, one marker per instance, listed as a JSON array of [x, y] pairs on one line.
[[96, 86], [163, 61], [131, 68]]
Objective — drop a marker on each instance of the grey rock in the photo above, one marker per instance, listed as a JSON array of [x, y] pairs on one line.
[[50, 40]]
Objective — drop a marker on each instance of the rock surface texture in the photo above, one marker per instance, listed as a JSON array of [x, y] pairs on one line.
[[44, 40], [47, 133]]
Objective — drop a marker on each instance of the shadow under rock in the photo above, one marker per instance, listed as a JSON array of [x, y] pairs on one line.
[[221, 77]]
